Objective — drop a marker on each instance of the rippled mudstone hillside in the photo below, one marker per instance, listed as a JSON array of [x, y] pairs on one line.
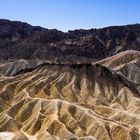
[[70, 101]]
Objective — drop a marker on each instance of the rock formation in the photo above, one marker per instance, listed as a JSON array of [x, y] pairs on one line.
[[20, 40], [80, 85]]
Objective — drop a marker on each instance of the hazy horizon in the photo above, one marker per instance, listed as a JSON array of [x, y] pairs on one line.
[[72, 14]]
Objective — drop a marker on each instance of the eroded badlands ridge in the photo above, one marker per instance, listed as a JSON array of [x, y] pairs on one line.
[[71, 101]]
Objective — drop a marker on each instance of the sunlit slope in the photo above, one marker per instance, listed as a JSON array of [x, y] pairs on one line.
[[70, 102]]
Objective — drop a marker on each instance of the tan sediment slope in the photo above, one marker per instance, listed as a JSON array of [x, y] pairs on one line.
[[121, 59], [126, 63], [69, 102]]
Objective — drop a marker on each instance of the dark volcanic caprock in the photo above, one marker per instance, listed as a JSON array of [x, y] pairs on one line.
[[20, 40]]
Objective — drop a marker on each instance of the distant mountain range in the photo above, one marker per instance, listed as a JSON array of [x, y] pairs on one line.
[[19, 40]]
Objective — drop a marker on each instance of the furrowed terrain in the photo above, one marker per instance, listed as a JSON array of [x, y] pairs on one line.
[[85, 94]]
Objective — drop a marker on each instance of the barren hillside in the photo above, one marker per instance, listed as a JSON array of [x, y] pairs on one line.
[[80, 85]]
